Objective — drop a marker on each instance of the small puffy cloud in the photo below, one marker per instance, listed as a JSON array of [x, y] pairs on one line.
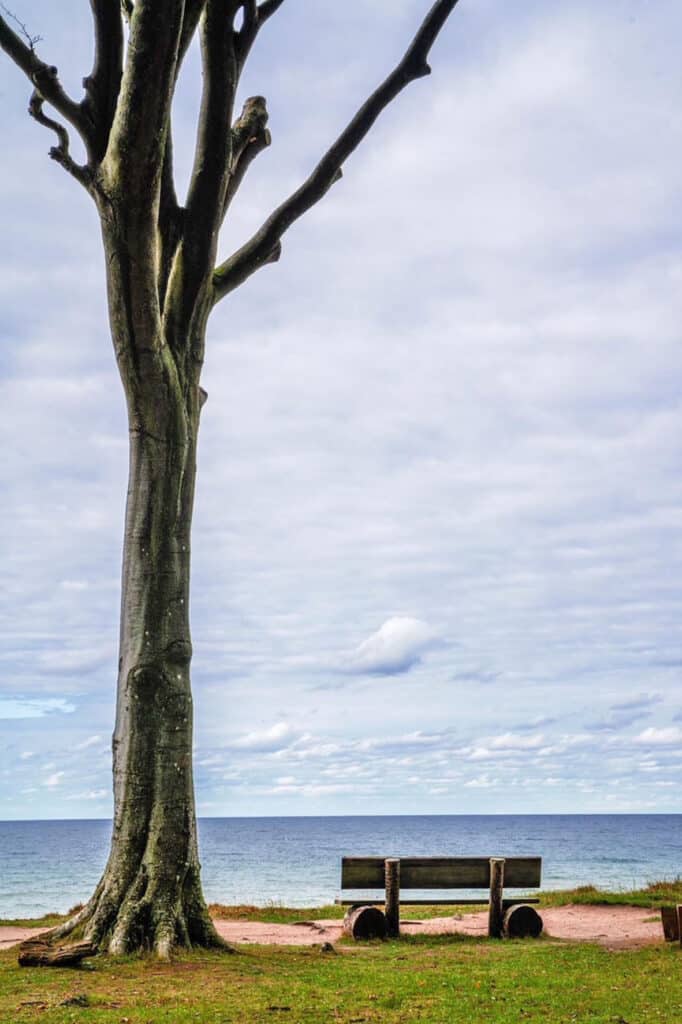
[[266, 740], [53, 780], [74, 584], [505, 745], [396, 647], [91, 741], [80, 660], [666, 737], [476, 676], [312, 789], [25, 754], [481, 782], [618, 720], [19, 707], [627, 712], [513, 741], [640, 702]]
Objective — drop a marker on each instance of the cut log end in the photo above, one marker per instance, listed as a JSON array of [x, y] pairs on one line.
[[364, 923], [38, 953], [522, 922]]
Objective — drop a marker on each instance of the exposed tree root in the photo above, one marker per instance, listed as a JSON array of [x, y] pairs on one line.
[[146, 918]]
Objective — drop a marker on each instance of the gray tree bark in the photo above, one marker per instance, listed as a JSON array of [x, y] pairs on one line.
[[162, 283]]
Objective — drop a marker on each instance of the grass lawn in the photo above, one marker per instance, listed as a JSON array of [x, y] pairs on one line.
[[425, 979], [429, 979]]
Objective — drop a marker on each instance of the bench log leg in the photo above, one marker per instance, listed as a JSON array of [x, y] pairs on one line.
[[495, 909], [392, 878]]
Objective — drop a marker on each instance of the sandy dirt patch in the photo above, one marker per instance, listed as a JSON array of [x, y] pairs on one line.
[[612, 927]]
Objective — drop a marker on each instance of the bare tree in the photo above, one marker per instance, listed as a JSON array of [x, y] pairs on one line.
[[162, 284]]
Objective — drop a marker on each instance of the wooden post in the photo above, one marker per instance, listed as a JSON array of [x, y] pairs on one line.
[[495, 915], [392, 879], [679, 922]]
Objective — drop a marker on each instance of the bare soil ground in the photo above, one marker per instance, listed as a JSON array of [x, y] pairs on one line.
[[614, 927]]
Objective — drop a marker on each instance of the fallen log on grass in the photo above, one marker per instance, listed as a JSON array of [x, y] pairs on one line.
[[38, 953]]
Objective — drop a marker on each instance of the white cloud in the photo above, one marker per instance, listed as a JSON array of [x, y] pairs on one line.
[[514, 741], [396, 647], [52, 781], [91, 741], [28, 708], [274, 738], [665, 737], [481, 782]]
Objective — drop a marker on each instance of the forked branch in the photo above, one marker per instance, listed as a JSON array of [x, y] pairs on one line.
[[265, 246], [43, 76], [250, 137], [254, 17], [103, 83], [60, 153]]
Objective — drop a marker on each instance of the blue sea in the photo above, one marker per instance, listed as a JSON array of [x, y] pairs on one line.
[[51, 865]]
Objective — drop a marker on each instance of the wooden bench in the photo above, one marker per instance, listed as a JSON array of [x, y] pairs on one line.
[[395, 875]]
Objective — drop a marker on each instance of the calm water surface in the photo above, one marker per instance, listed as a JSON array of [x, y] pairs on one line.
[[50, 865]]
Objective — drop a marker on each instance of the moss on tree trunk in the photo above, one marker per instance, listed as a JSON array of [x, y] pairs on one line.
[[150, 894]]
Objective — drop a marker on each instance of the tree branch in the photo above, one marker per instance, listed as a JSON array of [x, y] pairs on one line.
[[171, 214], [265, 245], [31, 40], [104, 81], [255, 15], [205, 198], [250, 137], [267, 9], [137, 143], [193, 11], [43, 76], [60, 153]]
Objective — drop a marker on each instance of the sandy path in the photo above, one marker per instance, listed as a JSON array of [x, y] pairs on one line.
[[612, 927]]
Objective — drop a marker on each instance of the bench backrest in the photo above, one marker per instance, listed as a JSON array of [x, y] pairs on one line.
[[440, 872]]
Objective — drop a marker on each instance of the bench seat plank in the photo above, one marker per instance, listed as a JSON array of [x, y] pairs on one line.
[[437, 903], [440, 872]]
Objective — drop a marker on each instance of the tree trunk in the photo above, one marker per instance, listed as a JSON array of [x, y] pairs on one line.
[[150, 894]]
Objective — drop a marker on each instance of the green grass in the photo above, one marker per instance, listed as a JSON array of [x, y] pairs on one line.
[[428, 980], [46, 921], [653, 896]]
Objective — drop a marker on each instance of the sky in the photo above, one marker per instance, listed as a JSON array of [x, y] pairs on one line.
[[438, 531]]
